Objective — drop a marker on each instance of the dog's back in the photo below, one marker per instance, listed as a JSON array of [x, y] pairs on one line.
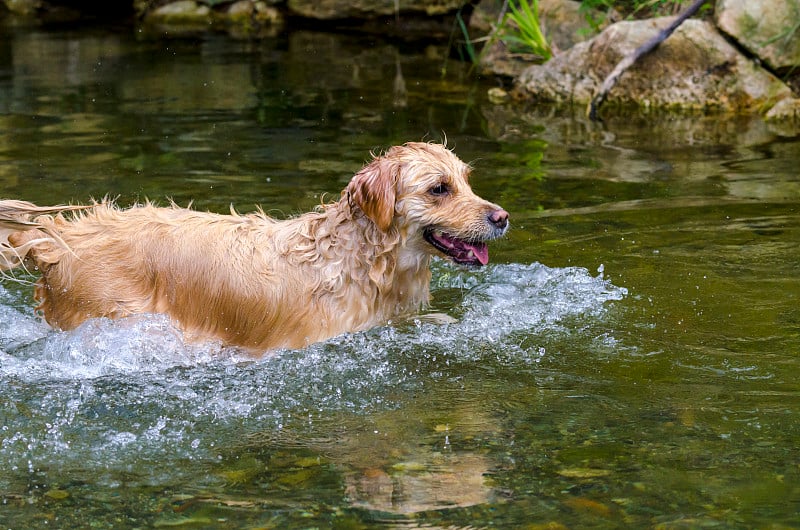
[[246, 280], [213, 274]]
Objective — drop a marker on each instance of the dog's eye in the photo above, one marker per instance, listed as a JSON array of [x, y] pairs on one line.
[[440, 189]]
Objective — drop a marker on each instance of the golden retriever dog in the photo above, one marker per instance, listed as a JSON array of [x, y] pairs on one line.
[[251, 281]]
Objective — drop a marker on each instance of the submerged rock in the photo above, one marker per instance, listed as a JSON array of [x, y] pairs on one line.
[[695, 68]]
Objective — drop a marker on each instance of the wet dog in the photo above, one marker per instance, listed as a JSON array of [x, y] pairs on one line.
[[252, 281]]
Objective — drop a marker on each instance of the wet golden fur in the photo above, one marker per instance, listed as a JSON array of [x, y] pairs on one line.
[[249, 280]]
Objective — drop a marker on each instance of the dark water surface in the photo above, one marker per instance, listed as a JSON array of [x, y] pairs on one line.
[[628, 359]]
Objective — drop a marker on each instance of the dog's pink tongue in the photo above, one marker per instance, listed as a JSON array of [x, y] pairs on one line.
[[480, 250], [462, 251]]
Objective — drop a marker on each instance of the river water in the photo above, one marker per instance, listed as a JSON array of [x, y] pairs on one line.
[[629, 358]]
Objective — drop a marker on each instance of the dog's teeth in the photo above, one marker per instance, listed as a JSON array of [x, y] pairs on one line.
[[471, 255]]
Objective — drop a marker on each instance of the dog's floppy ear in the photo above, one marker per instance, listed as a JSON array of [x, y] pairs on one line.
[[373, 190]]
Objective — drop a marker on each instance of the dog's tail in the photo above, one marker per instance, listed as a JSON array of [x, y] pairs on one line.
[[21, 216]]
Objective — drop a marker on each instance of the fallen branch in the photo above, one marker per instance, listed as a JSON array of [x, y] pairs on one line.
[[637, 54]]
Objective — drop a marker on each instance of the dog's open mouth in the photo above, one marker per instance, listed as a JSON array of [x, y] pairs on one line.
[[461, 251]]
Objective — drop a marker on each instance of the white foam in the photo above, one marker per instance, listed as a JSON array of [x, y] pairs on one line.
[[498, 303], [501, 304], [98, 347]]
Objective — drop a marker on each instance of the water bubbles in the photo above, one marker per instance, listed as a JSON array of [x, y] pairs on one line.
[[121, 439]]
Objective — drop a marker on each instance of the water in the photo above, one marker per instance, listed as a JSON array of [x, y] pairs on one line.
[[627, 359]]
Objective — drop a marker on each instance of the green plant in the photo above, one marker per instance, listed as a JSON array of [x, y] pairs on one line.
[[526, 32], [470, 48], [518, 28], [466, 46]]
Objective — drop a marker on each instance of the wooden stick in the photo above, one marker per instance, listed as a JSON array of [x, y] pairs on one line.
[[637, 54]]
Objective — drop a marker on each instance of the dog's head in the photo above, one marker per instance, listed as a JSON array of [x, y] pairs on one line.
[[422, 190]]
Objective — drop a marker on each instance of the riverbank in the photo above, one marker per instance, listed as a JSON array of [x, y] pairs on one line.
[[739, 57]]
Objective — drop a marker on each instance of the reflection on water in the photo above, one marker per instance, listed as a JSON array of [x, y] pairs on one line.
[[628, 359]]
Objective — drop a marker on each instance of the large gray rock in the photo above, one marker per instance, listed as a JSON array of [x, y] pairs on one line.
[[694, 68], [767, 28], [338, 9]]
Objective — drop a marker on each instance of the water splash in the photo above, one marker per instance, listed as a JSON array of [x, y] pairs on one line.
[[505, 306], [112, 394], [100, 347]]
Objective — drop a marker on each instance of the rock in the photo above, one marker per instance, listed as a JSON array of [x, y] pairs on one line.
[[240, 18], [589, 507], [784, 118], [338, 9], [566, 24], [498, 60], [497, 95], [241, 10], [182, 12], [22, 7], [768, 29], [57, 494], [785, 109], [248, 18], [695, 68]]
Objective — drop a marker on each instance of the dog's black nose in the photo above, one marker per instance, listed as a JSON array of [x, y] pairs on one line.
[[499, 218]]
